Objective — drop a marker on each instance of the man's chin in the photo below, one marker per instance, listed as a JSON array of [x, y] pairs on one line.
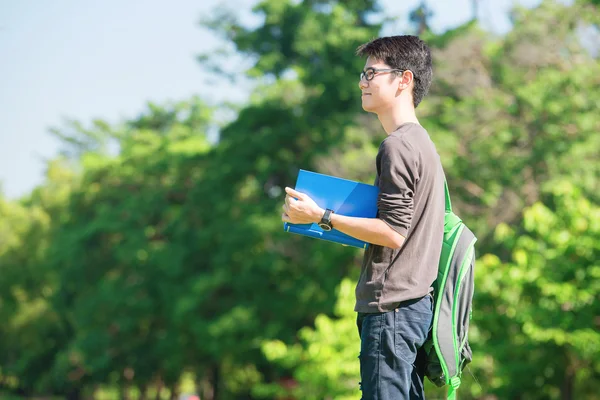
[[367, 108]]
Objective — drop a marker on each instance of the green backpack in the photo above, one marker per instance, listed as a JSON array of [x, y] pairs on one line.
[[447, 347]]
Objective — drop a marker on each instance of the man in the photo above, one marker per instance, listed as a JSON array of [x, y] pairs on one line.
[[393, 294]]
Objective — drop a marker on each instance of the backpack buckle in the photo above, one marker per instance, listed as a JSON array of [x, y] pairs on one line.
[[455, 382]]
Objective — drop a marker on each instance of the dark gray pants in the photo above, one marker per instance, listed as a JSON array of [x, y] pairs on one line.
[[391, 358]]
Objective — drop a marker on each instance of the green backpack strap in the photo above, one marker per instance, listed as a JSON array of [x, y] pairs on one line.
[[447, 194], [451, 394], [454, 384], [450, 219]]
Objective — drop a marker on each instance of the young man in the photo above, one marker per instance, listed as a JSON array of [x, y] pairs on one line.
[[393, 294]]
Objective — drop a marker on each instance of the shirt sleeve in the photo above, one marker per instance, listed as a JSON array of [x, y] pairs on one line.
[[398, 176]]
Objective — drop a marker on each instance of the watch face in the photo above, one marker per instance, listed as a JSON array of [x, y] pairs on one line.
[[325, 227]]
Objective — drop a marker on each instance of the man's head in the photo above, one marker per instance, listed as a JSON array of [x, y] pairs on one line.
[[395, 64]]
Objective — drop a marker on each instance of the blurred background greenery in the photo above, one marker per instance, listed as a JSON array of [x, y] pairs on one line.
[[152, 263]]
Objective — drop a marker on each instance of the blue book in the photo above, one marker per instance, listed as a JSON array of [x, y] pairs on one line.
[[344, 197]]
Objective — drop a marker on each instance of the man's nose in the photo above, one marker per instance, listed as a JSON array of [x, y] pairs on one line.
[[362, 83]]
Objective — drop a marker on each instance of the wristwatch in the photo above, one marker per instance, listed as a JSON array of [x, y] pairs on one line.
[[325, 222]]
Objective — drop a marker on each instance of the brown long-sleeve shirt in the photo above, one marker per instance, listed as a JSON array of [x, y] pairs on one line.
[[411, 201]]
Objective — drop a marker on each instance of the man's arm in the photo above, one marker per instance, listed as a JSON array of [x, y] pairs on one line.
[[397, 181], [371, 230]]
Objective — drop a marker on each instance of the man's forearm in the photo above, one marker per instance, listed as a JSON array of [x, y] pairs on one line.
[[370, 230], [299, 208]]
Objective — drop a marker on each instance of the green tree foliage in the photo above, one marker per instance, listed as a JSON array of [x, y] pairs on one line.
[[126, 247], [331, 348], [31, 332], [542, 302], [150, 252], [511, 114]]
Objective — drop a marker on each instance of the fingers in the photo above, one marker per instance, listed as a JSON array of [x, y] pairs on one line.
[[292, 196], [289, 199], [294, 193]]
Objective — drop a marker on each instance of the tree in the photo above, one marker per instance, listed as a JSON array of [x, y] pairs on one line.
[[324, 362], [31, 332], [121, 253], [543, 299]]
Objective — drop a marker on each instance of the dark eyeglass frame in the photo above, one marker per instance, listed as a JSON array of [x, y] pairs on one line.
[[373, 71]]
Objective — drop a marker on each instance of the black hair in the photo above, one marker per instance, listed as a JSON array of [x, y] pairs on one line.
[[403, 52]]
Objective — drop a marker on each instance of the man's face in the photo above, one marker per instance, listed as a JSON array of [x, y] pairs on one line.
[[380, 92]]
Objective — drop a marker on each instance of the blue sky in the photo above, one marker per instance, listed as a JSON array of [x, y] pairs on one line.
[[83, 59]]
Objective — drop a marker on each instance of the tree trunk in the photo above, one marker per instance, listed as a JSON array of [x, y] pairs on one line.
[[216, 378], [568, 386], [73, 394], [208, 387], [159, 387], [144, 393], [174, 392], [125, 391]]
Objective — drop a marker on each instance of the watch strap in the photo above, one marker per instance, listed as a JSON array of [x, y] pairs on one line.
[[326, 219]]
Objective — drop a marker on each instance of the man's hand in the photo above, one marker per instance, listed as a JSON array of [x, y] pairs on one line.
[[301, 211]]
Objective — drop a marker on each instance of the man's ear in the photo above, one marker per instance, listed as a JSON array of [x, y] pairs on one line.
[[405, 80]]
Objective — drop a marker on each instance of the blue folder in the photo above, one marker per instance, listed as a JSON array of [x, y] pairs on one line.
[[344, 197]]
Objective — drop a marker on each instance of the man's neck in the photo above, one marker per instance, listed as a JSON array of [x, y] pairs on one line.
[[397, 116]]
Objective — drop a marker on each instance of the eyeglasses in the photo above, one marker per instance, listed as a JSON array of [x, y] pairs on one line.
[[369, 73]]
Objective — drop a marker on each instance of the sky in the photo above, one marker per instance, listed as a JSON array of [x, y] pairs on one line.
[[84, 59]]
